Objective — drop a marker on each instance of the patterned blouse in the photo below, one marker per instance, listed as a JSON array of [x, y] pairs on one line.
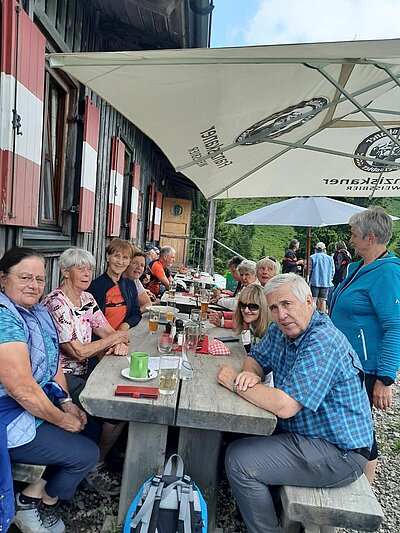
[[74, 323]]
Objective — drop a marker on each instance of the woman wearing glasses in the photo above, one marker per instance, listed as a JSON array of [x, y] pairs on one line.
[[117, 296], [39, 423]]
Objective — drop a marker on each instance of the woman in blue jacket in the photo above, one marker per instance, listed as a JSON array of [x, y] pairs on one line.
[[366, 308]]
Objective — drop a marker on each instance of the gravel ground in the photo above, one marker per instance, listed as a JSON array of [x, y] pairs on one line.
[[86, 514]]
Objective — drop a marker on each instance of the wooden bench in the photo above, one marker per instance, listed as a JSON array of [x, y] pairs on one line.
[[27, 473], [322, 510]]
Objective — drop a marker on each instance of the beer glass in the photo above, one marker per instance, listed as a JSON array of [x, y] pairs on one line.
[[154, 317]]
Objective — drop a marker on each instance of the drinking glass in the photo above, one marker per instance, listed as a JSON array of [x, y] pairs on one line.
[[165, 343], [154, 317], [171, 310], [169, 371], [172, 289], [204, 301]]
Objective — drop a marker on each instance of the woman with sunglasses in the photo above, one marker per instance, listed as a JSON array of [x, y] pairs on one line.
[[252, 314]]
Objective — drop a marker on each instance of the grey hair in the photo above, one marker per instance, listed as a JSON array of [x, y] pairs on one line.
[[247, 266], [293, 243], [166, 250], [299, 286], [374, 220], [76, 257], [267, 261]]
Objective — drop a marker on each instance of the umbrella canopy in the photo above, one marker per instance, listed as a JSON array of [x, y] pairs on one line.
[[300, 211], [317, 119]]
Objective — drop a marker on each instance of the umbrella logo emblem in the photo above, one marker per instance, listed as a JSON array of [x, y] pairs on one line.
[[378, 145], [283, 121]]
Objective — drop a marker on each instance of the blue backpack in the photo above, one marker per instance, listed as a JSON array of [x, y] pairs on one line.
[[168, 504]]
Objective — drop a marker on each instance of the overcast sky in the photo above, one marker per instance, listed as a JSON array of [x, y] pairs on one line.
[[246, 22]]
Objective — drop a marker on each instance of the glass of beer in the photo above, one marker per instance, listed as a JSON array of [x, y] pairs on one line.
[[204, 301], [172, 290], [154, 317], [169, 371], [171, 311]]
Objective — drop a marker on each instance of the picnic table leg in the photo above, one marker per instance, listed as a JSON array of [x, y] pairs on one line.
[[145, 457], [199, 449]]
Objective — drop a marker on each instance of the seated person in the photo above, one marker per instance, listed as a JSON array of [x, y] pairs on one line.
[[41, 423], [77, 316], [116, 296], [233, 263], [152, 253], [160, 276], [247, 275], [324, 432], [134, 272], [267, 268], [252, 316]]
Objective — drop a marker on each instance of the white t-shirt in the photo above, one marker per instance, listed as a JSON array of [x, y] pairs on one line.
[[139, 287]]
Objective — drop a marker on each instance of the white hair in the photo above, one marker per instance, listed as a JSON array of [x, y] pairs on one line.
[[299, 286]]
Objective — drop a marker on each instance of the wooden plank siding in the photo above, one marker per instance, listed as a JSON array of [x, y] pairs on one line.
[[76, 25]]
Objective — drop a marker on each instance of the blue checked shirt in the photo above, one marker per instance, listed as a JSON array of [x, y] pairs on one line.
[[322, 372]]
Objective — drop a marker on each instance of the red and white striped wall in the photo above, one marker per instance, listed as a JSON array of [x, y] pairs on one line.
[[157, 216], [116, 187], [20, 172], [134, 200], [89, 167], [151, 212]]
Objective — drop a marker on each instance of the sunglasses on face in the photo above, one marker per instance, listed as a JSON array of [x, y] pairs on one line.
[[250, 307]]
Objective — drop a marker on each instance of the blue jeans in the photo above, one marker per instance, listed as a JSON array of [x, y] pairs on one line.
[[69, 457], [254, 463]]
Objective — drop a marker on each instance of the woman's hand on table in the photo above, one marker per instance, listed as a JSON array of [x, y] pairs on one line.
[[120, 349], [247, 380], [214, 317]]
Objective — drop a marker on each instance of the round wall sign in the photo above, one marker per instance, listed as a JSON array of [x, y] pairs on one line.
[[177, 210]]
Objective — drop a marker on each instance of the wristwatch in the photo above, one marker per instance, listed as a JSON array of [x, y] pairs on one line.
[[386, 380]]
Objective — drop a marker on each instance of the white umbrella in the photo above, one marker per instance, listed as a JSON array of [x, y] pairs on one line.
[[305, 119], [301, 211]]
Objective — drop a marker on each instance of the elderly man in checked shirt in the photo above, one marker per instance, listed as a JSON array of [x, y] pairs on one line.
[[324, 429]]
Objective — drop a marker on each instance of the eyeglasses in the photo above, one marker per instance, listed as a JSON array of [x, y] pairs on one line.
[[27, 279], [250, 307]]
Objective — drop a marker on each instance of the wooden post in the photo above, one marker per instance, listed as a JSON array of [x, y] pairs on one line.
[[308, 253], [208, 256]]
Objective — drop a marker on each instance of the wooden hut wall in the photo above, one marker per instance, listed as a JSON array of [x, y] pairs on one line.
[[74, 26]]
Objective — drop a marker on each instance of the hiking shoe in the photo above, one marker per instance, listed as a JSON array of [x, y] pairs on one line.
[[51, 519], [27, 517], [101, 481]]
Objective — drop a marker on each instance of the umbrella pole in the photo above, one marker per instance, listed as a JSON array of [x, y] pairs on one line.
[[308, 253]]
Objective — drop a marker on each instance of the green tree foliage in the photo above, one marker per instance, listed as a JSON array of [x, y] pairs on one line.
[[254, 242]]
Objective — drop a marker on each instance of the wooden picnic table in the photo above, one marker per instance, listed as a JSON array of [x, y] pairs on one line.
[[201, 408]]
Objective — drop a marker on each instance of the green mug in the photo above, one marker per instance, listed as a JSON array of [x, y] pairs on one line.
[[139, 365]]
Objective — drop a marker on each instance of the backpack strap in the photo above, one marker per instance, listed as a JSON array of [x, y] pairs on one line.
[[143, 516], [185, 504], [179, 465]]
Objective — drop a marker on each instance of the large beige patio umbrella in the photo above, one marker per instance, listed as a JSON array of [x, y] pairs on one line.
[[306, 119]]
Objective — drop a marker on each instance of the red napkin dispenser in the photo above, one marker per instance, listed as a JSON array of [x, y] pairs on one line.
[[133, 391]]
